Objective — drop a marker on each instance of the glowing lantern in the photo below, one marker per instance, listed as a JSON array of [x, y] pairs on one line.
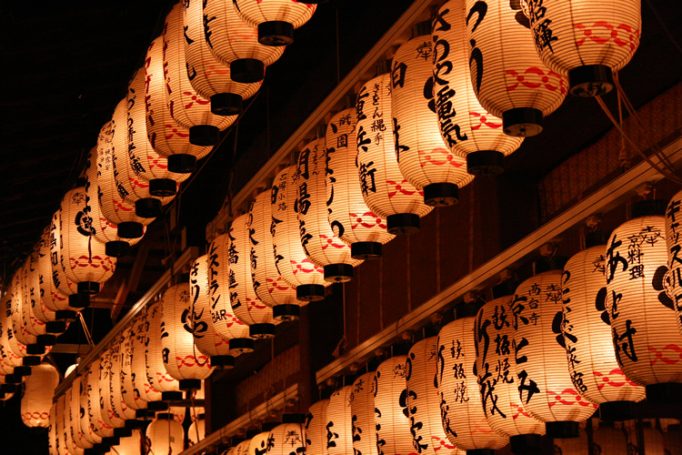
[[115, 384], [316, 428], [644, 324], [11, 363], [508, 76], [15, 311], [674, 243], [362, 415], [348, 216], [242, 448], [390, 195], [466, 127], [289, 437], [154, 355], [197, 430], [165, 435], [129, 445], [165, 135], [180, 358], [94, 402], [392, 424], [131, 397], [290, 258], [60, 427], [72, 397], [108, 410], [339, 422], [259, 443], [276, 19], [85, 415], [585, 40], [587, 334], [39, 320], [37, 398], [139, 393], [320, 242], [234, 42], [51, 296], [52, 432], [462, 413]]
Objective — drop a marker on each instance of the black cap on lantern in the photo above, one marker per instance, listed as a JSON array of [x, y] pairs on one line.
[[170, 395], [225, 104], [204, 135], [527, 444], [223, 362], [292, 417], [241, 345], [403, 223], [123, 432], [130, 230], [617, 410], [247, 70], [522, 122], [116, 248], [162, 187], [134, 424], [441, 194], [262, 331], [337, 273], [366, 250], [590, 80], [152, 408], [310, 292], [79, 300], [485, 163], [35, 349], [286, 312], [88, 287], [275, 33], [13, 378], [48, 339], [649, 207], [148, 207], [29, 361], [562, 430], [189, 384], [66, 315], [182, 163]]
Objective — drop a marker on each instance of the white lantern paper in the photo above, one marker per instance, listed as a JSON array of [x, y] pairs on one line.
[[131, 395], [197, 430], [17, 307], [286, 439], [258, 445], [154, 354], [339, 422], [389, 195], [52, 432], [316, 428], [94, 401], [143, 392], [392, 422], [37, 318], [673, 239], [37, 398], [508, 76], [103, 379], [87, 426], [129, 445], [362, 415], [466, 127], [50, 295], [165, 435], [116, 384], [241, 449], [74, 403], [276, 19]]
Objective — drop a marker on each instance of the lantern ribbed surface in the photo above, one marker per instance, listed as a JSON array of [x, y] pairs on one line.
[[154, 353], [349, 216], [495, 367], [362, 415], [196, 431], [392, 423], [94, 401], [507, 75], [60, 427], [37, 397], [73, 399], [316, 428], [69, 434], [34, 314], [466, 127], [19, 307], [143, 390], [339, 422], [117, 387], [132, 396], [61, 282], [50, 295], [9, 359], [52, 431], [286, 439], [644, 325], [423, 157], [673, 239], [165, 436], [462, 413], [422, 403], [587, 334], [291, 11], [110, 413], [259, 444], [86, 425]]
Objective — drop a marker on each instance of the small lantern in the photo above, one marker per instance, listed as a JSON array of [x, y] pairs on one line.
[[288, 437], [585, 40], [276, 19], [60, 443], [86, 424], [165, 435], [389, 194], [508, 76], [139, 393], [108, 410], [51, 296], [116, 385], [424, 159], [131, 396], [39, 320], [94, 402], [12, 362], [320, 242], [290, 258], [362, 415], [259, 443], [37, 398], [392, 423], [17, 306], [467, 129], [339, 422], [234, 42], [316, 428], [72, 400], [154, 355], [462, 413], [197, 430]]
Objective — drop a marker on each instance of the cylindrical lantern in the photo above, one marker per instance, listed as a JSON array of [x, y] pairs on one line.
[[165, 435], [17, 305], [362, 415], [259, 443], [466, 127], [155, 354], [320, 242], [586, 40], [37, 398], [507, 74], [52, 432], [348, 215], [129, 445], [51, 296], [644, 326], [234, 42], [390, 393], [387, 193], [116, 385], [275, 19], [109, 411], [287, 438], [39, 319], [462, 413], [95, 401], [139, 393], [339, 422], [290, 258], [130, 394], [74, 414], [673, 239], [86, 425], [197, 430], [316, 428]]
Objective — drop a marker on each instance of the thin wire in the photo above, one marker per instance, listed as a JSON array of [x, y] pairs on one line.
[[86, 331], [664, 27]]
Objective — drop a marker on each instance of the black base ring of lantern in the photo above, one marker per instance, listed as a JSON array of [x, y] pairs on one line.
[[130, 230], [189, 384], [286, 312], [9, 388], [403, 223], [79, 301], [155, 406], [590, 80], [441, 194], [262, 330], [123, 432], [665, 392], [172, 395], [47, 339], [649, 207], [366, 250], [485, 162], [54, 328], [35, 349], [111, 441], [617, 410], [13, 378], [526, 444], [182, 163], [21, 371], [310, 292], [88, 287], [338, 273], [293, 417], [148, 207], [30, 361], [247, 70], [562, 430], [116, 248], [240, 346], [226, 104], [522, 122], [224, 362], [134, 424], [275, 33], [163, 187], [204, 135], [165, 416], [481, 452], [65, 315]]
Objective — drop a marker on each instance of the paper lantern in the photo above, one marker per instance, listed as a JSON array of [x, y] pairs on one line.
[[674, 244], [197, 430], [18, 356], [50, 296], [129, 445], [259, 443], [287, 438], [276, 19], [94, 402], [507, 74], [362, 415], [66, 286], [461, 408], [349, 216], [60, 427], [38, 319], [86, 424], [424, 159], [392, 423], [290, 258], [180, 357], [234, 42], [72, 397], [268, 283], [154, 355], [242, 448], [116, 385], [644, 326], [108, 409], [52, 432], [15, 310], [37, 398], [206, 337], [211, 78], [586, 40], [11, 362], [388, 193], [587, 334], [139, 393], [130, 394], [165, 135], [339, 422], [316, 428], [165, 435], [466, 127], [320, 242]]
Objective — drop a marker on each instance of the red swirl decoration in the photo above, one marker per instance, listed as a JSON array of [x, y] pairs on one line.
[[120, 206], [218, 70], [276, 284], [534, 77], [483, 121], [518, 410], [614, 378], [328, 241], [568, 397], [602, 32], [438, 157], [172, 131], [305, 266], [440, 443], [35, 415], [232, 320], [95, 262], [191, 361], [399, 188], [138, 183], [670, 354], [194, 99], [255, 304], [367, 220], [149, 389], [158, 162], [163, 377]]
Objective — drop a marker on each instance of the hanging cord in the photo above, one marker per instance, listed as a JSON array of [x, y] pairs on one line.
[[623, 154], [86, 331], [663, 26]]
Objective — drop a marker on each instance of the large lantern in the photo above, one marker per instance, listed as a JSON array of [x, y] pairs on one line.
[[37, 398], [289, 437], [390, 390], [362, 415], [508, 76], [644, 324], [276, 19], [339, 422], [51, 296], [109, 411], [586, 40], [389, 194], [131, 395], [316, 428], [673, 239], [349, 216], [80, 384], [154, 355], [466, 127], [197, 430], [259, 443], [165, 435], [462, 413], [72, 397]]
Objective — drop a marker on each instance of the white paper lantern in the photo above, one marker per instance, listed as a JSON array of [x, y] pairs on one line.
[[129, 445], [154, 353], [587, 40], [316, 428], [37, 398], [130, 394], [673, 239], [258, 445], [197, 430], [339, 422], [392, 422], [72, 422], [52, 432], [50, 295], [72, 397], [466, 127], [508, 76], [362, 415], [242, 448], [139, 392], [275, 19], [17, 306], [108, 410], [389, 194], [36, 317], [165, 435], [287, 438], [95, 401], [87, 426], [117, 387]]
